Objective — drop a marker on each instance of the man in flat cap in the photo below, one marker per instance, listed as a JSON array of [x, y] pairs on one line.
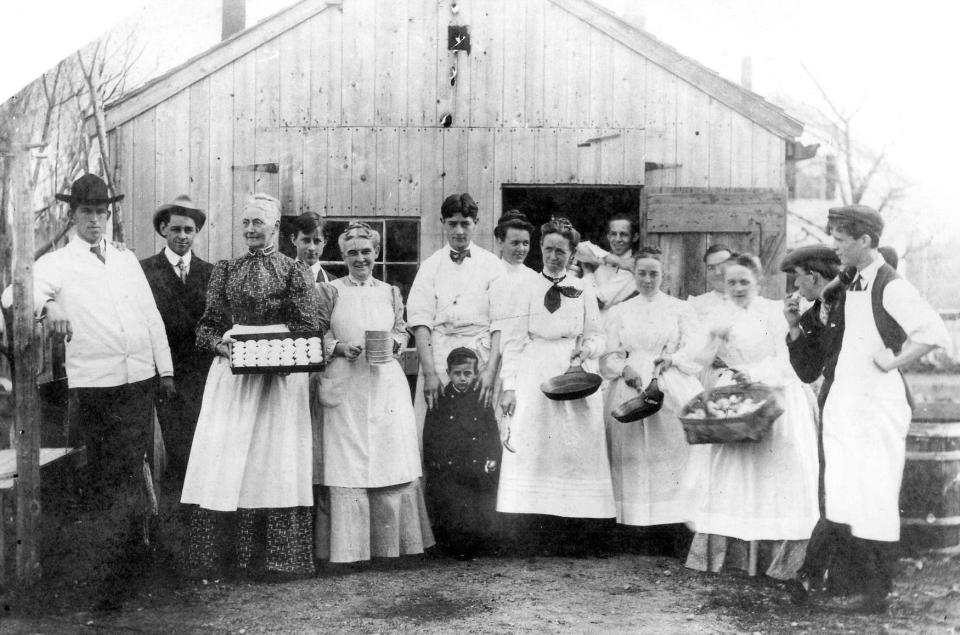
[[97, 298], [178, 279], [866, 415]]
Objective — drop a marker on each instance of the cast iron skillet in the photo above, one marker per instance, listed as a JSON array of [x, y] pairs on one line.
[[646, 404], [576, 383]]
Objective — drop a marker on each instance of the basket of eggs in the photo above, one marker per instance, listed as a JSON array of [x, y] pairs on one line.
[[270, 353], [730, 414]]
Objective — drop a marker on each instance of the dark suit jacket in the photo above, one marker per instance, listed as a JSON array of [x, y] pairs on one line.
[[181, 306]]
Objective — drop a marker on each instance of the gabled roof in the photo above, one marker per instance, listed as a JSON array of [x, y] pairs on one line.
[[743, 101]]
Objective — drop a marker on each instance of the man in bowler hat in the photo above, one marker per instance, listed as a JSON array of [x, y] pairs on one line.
[[97, 298], [178, 279]]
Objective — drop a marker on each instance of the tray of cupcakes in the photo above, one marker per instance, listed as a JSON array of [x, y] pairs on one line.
[[270, 353]]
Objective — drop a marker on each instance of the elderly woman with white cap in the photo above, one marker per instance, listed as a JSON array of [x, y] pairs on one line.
[[372, 503], [252, 451]]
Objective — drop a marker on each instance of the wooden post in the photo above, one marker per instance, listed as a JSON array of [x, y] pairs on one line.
[[25, 355]]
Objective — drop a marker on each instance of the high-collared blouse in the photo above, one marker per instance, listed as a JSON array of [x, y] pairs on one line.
[[260, 288]]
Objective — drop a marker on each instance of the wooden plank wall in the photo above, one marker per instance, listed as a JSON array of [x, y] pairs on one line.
[[349, 104]]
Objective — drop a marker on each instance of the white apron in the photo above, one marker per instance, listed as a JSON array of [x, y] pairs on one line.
[[369, 433], [649, 458], [560, 466], [865, 423], [253, 445]]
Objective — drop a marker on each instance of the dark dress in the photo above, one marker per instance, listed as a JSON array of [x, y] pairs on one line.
[[460, 436], [181, 305], [251, 461]]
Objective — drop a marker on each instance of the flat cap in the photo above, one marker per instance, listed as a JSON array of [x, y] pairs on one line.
[[866, 216], [800, 256]]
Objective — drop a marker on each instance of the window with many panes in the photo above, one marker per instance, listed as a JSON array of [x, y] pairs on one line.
[[399, 250]]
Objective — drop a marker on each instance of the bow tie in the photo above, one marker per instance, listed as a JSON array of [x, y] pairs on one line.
[[459, 256], [551, 299]]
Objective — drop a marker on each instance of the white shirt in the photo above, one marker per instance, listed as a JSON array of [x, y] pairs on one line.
[[452, 298], [903, 302], [173, 259], [612, 284], [118, 334], [706, 304]]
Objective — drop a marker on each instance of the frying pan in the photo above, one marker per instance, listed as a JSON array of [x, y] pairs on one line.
[[646, 404], [576, 383]]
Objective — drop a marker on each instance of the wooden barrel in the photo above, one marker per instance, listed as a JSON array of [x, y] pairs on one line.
[[930, 494]]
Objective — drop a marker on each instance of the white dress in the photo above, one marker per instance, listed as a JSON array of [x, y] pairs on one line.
[[560, 466], [765, 490], [706, 306], [649, 458], [373, 503]]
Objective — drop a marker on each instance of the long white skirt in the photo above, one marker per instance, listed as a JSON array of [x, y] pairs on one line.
[[560, 466], [650, 458], [253, 445], [765, 490]]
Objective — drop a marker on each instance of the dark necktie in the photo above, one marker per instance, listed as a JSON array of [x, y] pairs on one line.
[[551, 299], [857, 284], [459, 256], [182, 269], [320, 276], [96, 251]]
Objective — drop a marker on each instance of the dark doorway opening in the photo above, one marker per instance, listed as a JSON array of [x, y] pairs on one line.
[[588, 208]]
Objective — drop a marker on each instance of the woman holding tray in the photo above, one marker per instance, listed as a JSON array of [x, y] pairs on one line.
[[372, 504], [650, 333], [760, 499], [251, 454], [560, 467]]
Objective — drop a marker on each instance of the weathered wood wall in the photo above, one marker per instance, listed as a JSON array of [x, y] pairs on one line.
[[348, 104]]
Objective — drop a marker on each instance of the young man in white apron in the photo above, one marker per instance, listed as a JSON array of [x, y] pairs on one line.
[[449, 305], [886, 326]]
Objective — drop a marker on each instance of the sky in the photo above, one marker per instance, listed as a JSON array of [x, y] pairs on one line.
[[891, 61]]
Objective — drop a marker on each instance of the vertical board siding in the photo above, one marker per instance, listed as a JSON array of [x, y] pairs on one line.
[[423, 46], [316, 162], [392, 81], [220, 226], [348, 104], [326, 71], [359, 62], [199, 175], [294, 76], [144, 182]]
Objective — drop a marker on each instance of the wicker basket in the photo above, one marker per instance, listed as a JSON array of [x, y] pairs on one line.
[[751, 426]]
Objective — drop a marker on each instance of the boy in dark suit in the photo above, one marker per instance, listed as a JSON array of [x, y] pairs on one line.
[[178, 279], [461, 448]]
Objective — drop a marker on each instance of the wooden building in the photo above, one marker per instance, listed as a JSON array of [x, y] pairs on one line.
[[379, 109]]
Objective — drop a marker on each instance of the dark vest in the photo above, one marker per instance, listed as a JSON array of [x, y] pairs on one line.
[[891, 332]]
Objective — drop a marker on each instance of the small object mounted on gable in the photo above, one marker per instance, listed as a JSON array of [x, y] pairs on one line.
[[269, 168], [796, 151], [458, 38]]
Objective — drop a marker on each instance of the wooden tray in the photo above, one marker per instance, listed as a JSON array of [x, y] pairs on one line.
[[275, 370]]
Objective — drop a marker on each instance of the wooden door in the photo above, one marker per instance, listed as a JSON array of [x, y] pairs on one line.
[[685, 221]]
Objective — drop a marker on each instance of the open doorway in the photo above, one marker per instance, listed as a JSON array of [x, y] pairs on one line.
[[587, 207]]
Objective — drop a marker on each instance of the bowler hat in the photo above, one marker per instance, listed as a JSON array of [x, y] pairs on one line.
[[183, 205], [89, 189], [800, 256], [862, 214]]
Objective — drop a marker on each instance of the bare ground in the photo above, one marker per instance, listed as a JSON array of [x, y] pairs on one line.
[[626, 593]]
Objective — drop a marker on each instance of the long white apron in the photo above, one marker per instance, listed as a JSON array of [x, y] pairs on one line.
[[253, 445], [650, 458], [560, 466], [865, 423], [369, 432]]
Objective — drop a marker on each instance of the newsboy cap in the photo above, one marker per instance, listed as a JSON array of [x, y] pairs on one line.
[[89, 189], [183, 205], [866, 216], [800, 256]]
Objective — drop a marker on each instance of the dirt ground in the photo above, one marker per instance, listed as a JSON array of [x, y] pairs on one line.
[[432, 594]]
